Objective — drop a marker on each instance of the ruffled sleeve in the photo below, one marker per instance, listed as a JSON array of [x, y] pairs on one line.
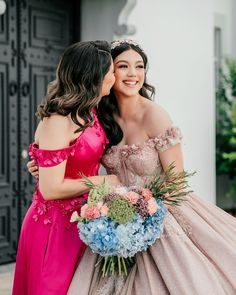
[[170, 137], [50, 158]]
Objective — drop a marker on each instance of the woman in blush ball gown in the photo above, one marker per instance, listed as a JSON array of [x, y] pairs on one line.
[[196, 253]]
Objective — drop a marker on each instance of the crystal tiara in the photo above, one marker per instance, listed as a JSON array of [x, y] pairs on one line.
[[117, 43]]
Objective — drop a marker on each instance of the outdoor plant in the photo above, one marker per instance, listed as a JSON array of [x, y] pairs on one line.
[[226, 126]]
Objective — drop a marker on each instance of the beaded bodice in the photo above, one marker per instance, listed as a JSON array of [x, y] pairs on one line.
[[135, 164], [83, 158]]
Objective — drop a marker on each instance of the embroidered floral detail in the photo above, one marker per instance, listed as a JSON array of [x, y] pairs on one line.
[[47, 221], [183, 231], [35, 217], [130, 150], [134, 164], [49, 158], [43, 208], [171, 137]]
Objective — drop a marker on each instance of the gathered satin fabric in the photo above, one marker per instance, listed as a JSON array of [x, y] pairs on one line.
[[196, 254]]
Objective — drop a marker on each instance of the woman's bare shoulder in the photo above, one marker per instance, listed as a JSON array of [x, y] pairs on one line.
[[156, 119], [54, 131]]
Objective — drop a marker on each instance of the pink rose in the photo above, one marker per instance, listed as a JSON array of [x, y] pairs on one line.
[[99, 205], [83, 210], [104, 210], [90, 211], [120, 190], [152, 206], [131, 197], [147, 194]]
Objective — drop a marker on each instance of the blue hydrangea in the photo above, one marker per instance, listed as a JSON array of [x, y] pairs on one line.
[[108, 238]]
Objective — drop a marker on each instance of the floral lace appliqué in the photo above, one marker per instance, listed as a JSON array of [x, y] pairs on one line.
[[43, 208], [170, 228], [49, 158], [171, 137]]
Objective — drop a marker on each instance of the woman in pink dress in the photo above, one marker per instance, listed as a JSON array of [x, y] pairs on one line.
[[69, 142]]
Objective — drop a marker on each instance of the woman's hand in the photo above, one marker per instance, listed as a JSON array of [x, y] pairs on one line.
[[113, 180], [33, 169]]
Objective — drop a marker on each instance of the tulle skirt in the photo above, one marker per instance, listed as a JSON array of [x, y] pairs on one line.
[[196, 254]]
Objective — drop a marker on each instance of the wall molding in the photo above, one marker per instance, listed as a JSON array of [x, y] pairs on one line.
[[123, 27]]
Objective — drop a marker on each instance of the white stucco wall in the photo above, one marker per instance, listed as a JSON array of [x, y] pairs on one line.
[[178, 38], [225, 19], [99, 18], [233, 25]]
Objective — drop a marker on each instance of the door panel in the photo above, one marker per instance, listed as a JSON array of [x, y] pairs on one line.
[[44, 35], [33, 35], [9, 131]]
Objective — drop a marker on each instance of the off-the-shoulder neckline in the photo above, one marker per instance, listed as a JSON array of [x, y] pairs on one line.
[[72, 143], [133, 145], [146, 142]]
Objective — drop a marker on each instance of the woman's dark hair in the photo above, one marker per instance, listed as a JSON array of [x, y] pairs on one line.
[[108, 107], [79, 78]]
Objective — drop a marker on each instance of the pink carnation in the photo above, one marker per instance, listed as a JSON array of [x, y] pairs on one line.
[[147, 194], [131, 197], [90, 211], [152, 206], [104, 210]]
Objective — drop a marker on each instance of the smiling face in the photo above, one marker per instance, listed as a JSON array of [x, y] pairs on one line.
[[129, 73]]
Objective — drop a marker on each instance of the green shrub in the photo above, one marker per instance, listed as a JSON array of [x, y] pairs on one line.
[[226, 125]]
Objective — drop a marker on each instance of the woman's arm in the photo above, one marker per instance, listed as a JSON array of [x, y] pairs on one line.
[[55, 133], [157, 121]]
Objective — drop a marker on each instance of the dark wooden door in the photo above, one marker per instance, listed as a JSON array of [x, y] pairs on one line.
[[33, 34]]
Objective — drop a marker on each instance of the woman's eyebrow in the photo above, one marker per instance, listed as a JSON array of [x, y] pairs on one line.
[[138, 61]]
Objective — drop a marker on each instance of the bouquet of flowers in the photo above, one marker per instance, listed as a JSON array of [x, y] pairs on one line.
[[118, 222]]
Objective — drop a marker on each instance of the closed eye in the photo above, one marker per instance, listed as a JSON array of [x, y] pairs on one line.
[[122, 66]]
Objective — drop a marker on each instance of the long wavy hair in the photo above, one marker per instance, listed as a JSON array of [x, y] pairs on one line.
[[108, 107], [79, 77]]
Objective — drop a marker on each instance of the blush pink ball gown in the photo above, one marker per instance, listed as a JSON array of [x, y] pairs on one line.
[[196, 254], [49, 247]]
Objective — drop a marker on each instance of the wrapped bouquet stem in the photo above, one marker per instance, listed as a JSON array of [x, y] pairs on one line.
[[114, 264], [118, 222]]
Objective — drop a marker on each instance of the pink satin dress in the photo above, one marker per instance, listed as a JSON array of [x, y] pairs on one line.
[[49, 248]]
